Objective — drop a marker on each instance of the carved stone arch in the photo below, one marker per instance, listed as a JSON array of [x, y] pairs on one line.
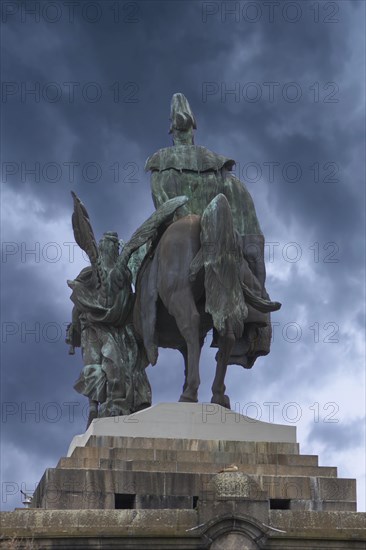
[[234, 533]]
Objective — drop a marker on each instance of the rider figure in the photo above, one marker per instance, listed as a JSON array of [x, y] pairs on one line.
[[200, 174]]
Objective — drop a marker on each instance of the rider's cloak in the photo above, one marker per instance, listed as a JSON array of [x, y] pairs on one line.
[[201, 175]]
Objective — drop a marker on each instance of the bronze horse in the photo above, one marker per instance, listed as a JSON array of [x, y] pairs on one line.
[[196, 279]]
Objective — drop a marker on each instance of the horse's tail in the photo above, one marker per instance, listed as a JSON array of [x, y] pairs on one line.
[[261, 304], [224, 295]]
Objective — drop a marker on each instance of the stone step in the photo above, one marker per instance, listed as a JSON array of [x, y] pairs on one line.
[[95, 488], [195, 467], [246, 447], [308, 488], [216, 457]]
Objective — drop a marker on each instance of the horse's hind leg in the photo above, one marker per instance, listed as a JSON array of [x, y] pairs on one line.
[[226, 343], [184, 352], [183, 308]]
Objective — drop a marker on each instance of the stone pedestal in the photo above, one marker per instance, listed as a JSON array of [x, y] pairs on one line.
[[190, 476], [201, 421]]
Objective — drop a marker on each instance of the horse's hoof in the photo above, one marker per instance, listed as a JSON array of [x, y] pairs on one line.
[[222, 400], [187, 399], [226, 402]]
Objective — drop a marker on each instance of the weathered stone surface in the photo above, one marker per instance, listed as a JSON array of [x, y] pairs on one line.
[[320, 524], [189, 506], [195, 466], [69, 488], [169, 455], [189, 445], [198, 492], [143, 529], [337, 489], [233, 541], [323, 505], [159, 469], [93, 523], [233, 485]]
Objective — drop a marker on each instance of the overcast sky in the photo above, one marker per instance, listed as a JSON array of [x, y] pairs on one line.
[[279, 87]]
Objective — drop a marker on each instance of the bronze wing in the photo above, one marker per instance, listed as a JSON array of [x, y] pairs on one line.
[[83, 231], [149, 229]]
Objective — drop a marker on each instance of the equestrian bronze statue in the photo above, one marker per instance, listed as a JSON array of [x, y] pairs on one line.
[[207, 270], [200, 266]]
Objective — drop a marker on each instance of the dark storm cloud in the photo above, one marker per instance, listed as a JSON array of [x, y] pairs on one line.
[[102, 53], [178, 46]]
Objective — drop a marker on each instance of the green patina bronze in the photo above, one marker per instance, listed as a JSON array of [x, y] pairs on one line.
[[113, 377], [197, 263], [201, 175]]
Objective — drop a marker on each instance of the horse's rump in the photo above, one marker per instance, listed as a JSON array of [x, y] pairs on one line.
[[163, 273], [199, 260]]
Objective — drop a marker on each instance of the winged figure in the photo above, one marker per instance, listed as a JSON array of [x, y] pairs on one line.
[[113, 376]]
